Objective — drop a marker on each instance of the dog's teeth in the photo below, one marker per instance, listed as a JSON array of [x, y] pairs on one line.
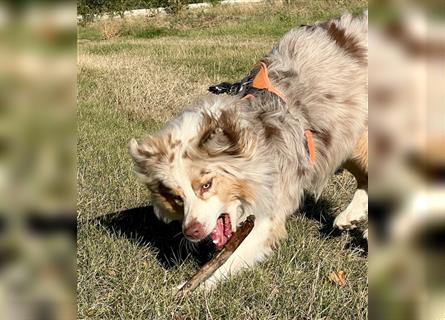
[[215, 241]]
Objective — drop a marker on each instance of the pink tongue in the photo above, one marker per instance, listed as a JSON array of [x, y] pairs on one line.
[[222, 232]]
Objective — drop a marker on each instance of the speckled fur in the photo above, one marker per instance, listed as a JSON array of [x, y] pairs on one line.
[[260, 142]]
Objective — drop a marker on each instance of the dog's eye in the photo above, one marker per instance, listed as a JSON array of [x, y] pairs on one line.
[[206, 186], [178, 200]]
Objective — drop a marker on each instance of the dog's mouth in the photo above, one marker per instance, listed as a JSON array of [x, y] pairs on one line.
[[222, 232]]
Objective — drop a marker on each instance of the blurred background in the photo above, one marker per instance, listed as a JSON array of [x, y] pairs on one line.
[[407, 160], [38, 157], [37, 160]]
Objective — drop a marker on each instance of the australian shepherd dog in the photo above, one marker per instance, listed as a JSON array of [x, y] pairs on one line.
[[281, 132]]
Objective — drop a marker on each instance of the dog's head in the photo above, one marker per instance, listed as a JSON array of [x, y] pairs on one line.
[[194, 171]]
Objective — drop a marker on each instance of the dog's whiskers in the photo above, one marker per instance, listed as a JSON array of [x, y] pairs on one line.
[[182, 244], [188, 246], [193, 246], [178, 234]]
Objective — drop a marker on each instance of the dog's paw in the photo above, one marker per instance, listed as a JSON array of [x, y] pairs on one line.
[[355, 214], [208, 285], [349, 219]]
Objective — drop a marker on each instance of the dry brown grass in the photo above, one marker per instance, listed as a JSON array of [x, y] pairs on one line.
[[110, 29], [152, 84], [145, 90]]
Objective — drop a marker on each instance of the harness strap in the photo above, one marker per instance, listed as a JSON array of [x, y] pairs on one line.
[[310, 145], [260, 80]]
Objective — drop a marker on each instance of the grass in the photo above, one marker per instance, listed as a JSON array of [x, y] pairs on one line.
[[132, 77]]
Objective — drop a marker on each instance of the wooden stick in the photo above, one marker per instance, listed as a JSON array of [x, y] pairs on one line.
[[218, 260]]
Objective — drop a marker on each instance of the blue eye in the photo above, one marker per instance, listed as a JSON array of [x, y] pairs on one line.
[[206, 186]]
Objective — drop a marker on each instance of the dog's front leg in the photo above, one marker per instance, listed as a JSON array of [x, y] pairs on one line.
[[252, 250], [355, 213]]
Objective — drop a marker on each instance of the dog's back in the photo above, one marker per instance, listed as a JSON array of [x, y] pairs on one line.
[[322, 70]]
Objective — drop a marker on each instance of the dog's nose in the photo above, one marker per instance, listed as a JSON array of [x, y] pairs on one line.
[[195, 230]]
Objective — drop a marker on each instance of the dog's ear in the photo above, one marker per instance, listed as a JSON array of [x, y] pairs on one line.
[[139, 152], [222, 135], [142, 155]]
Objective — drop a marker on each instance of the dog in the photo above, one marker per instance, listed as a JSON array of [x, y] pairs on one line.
[[281, 132]]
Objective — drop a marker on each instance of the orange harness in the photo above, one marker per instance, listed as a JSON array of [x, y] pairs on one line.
[[261, 81]]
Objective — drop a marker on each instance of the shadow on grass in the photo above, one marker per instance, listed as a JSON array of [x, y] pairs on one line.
[[322, 212], [142, 226]]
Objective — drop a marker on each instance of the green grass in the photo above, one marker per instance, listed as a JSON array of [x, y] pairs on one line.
[[88, 33], [129, 86], [244, 21]]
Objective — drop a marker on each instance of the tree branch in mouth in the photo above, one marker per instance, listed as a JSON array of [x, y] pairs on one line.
[[218, 260]]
